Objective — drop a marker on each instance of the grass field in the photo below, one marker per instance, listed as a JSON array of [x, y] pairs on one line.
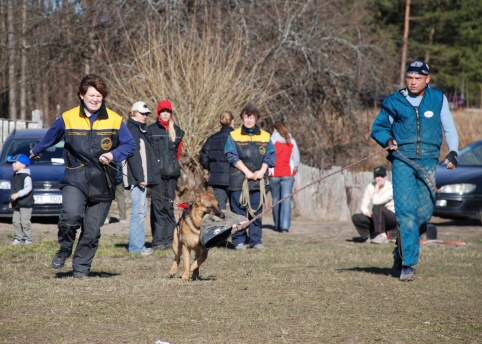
[[309, 286]]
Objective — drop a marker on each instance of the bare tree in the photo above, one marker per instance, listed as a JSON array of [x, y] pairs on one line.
[[12, 79]]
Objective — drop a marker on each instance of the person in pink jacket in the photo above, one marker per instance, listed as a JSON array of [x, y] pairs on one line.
[[282, 176]]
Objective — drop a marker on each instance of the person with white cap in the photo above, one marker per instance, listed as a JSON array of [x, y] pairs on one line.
[[414, 121], [138, 175]]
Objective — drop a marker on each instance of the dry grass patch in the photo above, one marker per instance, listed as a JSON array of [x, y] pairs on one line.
[[301, 289]]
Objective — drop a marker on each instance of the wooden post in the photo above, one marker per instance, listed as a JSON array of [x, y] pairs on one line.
[[406, 27]]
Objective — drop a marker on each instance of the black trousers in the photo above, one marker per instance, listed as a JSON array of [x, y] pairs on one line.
[[163, 219], [382, 220], [79, 212]]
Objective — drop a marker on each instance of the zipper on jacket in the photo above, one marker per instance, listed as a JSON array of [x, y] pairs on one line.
[[418, 134]]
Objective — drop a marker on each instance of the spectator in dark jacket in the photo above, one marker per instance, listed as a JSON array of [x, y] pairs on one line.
[[213, 159], [138, 171], [166, 137]]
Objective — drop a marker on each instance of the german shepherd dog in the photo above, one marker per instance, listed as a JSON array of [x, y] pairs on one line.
[[187, 235]]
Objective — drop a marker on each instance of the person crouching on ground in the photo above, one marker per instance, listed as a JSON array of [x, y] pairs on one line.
[[377, 210]]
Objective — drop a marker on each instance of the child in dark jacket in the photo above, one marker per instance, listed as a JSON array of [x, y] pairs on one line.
[[21, 195]]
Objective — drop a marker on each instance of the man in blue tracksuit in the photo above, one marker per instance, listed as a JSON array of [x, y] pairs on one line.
[[411, 122]]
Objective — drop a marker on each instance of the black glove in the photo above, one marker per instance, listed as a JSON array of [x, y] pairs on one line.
[[453, 158], [390, 142]]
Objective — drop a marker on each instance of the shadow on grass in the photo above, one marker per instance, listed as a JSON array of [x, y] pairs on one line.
[[122, 245], [100, 274], [269, 227], [371, 270]]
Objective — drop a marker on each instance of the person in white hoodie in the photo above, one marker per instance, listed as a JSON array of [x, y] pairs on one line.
[[282, 175], [377, 210]]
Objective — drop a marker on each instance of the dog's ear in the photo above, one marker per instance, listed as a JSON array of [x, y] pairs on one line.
[[210, 190]]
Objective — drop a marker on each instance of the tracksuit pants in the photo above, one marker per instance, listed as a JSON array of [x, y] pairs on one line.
[[414, 203], [79, 212]]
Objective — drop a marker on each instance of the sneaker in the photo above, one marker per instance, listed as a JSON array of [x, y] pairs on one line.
[[359, 239], [78, 274], [259, 247], [408, 273], [16, 242], [147, 251], [27, 242], [380, 239], [240, 247], [397, 263], [59, 259]]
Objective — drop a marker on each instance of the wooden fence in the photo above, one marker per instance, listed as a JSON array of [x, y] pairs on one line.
[[335, 198], [8, 125]]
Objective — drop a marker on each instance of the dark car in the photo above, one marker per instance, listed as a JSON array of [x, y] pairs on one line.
[[460, 194], [45, 171]]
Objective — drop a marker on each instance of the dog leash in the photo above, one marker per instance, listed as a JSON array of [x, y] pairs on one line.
[[246, 224]]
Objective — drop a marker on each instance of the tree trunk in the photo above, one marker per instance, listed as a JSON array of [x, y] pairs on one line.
[[23, 68], [12, 80], [405, 42]]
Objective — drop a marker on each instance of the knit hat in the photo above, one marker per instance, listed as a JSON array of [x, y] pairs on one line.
[[418, 67], [21, 158], [379, 171], [140, 107], [164, 105]]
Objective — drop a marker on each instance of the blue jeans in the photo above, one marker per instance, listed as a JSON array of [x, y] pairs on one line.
[[221, 193], [138, 213], [281, 187]]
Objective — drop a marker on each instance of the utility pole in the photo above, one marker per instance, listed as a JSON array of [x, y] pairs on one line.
[[406, 28]]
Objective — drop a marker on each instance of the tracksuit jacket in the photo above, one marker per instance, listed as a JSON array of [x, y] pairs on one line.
[[253, 147], [86, 139]]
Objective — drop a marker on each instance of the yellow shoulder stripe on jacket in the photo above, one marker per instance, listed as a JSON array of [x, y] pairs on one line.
[[236, 135], [74, 119]]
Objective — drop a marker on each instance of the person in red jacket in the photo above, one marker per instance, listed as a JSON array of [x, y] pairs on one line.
[[166, 138], [282, 176]]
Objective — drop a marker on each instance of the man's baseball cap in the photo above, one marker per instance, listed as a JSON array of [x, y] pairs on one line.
[[21, 158], [418, 67], [379, 171], [140, 107]]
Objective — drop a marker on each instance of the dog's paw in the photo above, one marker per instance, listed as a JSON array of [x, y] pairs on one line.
[[185, 278]]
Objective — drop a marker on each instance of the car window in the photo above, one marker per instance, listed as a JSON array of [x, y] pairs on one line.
[[52, 154], [471, 155]]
